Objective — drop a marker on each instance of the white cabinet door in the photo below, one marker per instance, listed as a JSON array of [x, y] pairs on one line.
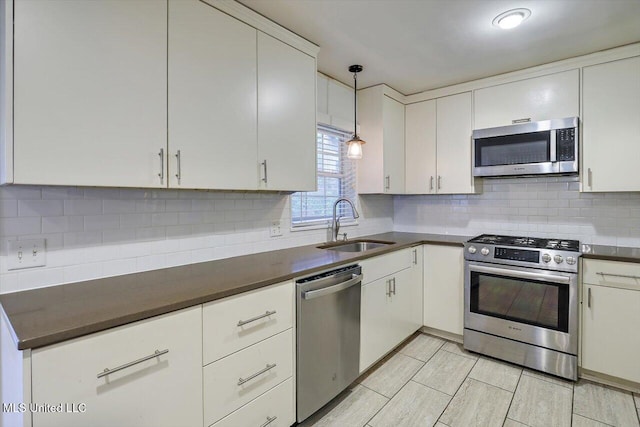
[[286, 116], [444, 288], [406, 299], [454, 144], [165, 390], [420, 148], [553, 96], [376, 331], [393, 137], [90, 92], [611, 126], [610, 325], [212, 98]]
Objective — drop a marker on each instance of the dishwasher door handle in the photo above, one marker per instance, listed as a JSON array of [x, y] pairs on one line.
[[355, 279]]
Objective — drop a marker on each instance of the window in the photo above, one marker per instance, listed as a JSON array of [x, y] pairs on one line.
[[336, 179]]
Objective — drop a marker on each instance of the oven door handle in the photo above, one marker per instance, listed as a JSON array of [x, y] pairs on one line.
[[521, 274]]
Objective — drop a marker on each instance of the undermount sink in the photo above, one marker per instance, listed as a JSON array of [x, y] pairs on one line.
[[356, 245]]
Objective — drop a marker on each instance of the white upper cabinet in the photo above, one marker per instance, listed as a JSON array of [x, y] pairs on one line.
[[454, 144], [286, 116], [381, 117], [553, 96], [611, 126], [420, 148], [90, 92], [213, 102], [438, 146]]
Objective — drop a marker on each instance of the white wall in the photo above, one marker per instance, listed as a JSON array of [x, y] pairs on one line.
[[99, 232], [544, 207]]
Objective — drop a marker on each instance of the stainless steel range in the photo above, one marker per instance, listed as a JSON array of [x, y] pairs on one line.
[[521, 301]]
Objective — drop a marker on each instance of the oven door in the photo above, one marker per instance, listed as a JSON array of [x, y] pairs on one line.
[[532, 306]]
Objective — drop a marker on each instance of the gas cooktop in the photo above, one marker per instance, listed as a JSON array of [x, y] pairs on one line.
[[547, 254], [527, 242]]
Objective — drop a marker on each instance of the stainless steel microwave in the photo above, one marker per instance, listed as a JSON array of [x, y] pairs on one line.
[[545, 147]]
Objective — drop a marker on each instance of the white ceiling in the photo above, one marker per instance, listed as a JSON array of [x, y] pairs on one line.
[[415, 45]]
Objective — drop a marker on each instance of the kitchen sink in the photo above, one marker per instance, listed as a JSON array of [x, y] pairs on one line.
[[355, 245]]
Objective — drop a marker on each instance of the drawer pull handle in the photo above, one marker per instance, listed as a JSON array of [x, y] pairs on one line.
[[269, 421], [108, 371], [525, 120], [253, 319], [626, 276], [250, 377]]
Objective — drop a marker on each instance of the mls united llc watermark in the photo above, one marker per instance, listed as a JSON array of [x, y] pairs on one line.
[[74, 408]]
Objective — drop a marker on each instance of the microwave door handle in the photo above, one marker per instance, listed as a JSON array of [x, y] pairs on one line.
[[521, 274], [552, 146]]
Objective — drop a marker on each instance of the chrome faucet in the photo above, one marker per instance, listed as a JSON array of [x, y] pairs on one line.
[[335, 224]]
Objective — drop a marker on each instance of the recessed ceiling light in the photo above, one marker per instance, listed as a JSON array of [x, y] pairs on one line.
[[511, 18]]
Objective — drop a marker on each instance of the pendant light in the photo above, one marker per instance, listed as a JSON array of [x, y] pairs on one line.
[[355, 144]]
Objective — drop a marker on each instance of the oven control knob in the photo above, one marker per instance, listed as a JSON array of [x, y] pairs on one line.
[[571, 260], [484, 251], [472, 249], [546, 258], [557, 259]]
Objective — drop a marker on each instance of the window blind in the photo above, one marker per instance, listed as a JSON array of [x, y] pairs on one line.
[[336, 179]]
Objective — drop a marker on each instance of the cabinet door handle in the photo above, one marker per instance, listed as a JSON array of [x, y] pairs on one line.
[[161, 174], [431, 183], [394, 285], [253, 319], [257, 374], [439, 182], [626, 276], [264, 165], [589, 178], [525, 120], [387, 179], [388, 292], [415, 256], [108, 371], [178, 160], [269, 421], [589, 297]]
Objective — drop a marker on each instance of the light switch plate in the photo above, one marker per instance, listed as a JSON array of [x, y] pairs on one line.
[[26, 254], [275, 230]]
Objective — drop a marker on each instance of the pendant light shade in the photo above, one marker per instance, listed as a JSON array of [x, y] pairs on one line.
[[355, 144]]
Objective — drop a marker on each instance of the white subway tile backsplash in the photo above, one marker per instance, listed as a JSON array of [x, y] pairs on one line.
[[18, 226], [102, 222], [8, 208], [82, 207], [553, 207]]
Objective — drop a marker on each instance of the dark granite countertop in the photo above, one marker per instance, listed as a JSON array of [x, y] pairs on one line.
[[613, 253], [46, 316]]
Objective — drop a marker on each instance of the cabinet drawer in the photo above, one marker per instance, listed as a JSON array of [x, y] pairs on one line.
[[234, 323], [275, 405], [383, 265], [614, 273], [164, 390], [235, 380]]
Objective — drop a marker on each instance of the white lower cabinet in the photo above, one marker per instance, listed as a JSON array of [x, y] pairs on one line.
[[391, 310], [163, 390], [611, 319], [239, 378], [275, 408], [444, 288]]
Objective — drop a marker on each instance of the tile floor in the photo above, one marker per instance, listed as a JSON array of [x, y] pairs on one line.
[[429, 381]]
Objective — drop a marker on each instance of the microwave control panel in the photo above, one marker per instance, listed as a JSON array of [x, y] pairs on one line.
[[566, 144]]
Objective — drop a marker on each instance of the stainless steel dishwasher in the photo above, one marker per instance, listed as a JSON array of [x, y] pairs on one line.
[[328, 336]]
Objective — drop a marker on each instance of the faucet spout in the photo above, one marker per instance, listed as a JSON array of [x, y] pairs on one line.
[[335, 223]]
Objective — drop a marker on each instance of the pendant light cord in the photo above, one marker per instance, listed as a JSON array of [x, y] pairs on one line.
[[355, 104]]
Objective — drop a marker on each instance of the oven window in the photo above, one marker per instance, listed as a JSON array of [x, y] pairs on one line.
[[532, 147], [531, 302]]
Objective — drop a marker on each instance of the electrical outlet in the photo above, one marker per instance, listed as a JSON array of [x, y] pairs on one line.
[[274, 229], [26, 254]]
